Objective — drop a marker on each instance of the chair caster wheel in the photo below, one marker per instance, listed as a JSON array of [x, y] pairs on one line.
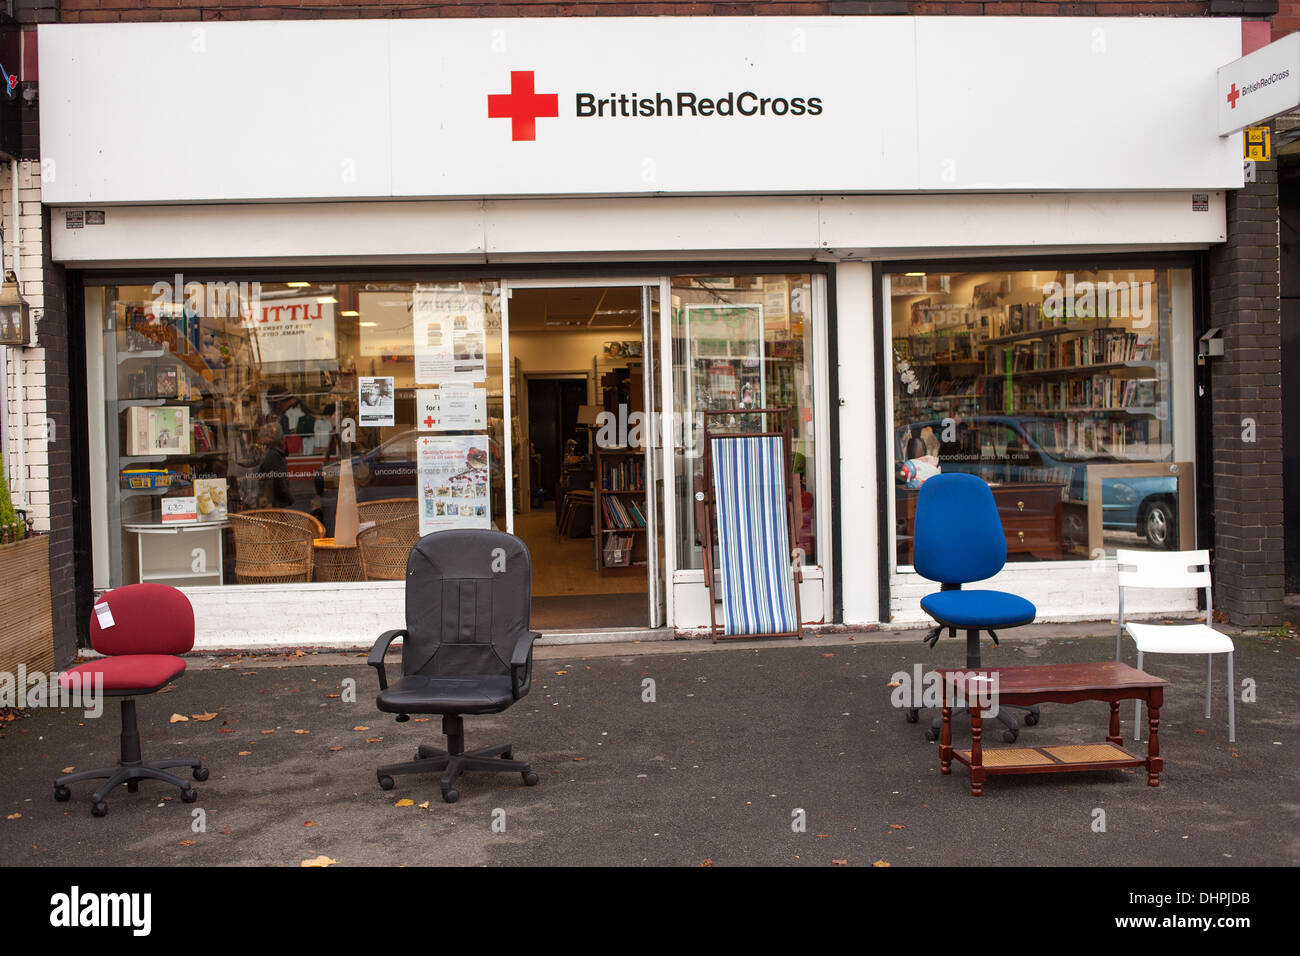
[[386, 783], [189, 795], [1031, 719], [62, 793], [931, 734], [450, 796], [200, 773], [99, 809], [530, 778], [1010, 736], [913, 715]]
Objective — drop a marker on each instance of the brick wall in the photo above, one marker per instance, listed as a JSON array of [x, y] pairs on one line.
[[111, 11]]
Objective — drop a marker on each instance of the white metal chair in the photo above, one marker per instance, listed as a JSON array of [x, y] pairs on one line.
[[1169, 570]]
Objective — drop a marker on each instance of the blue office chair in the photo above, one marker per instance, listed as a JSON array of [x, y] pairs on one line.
[[958, 539]]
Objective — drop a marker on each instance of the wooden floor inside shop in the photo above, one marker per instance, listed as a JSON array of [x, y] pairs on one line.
[[568, 592]]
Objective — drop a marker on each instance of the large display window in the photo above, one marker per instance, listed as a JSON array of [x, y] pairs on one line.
[[279, 432], [1057, 386]]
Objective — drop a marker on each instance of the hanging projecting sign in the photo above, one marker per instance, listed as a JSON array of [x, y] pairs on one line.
[[1260, 85], [450, 408], [298, 332], [450, 341]]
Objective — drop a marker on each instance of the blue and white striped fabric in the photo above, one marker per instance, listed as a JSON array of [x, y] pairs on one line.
[[753, 535]]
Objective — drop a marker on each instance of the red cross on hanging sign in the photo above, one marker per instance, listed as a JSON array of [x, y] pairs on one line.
[[1233, 96], [522, 106], [430, 421]]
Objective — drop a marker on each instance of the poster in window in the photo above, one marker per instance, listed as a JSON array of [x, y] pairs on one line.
[[450, 341], [294, 334], [451, 408], [454, 490], [376, 401]]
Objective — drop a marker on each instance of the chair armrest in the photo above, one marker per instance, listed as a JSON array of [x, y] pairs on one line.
[[376, 659], [519, 659]]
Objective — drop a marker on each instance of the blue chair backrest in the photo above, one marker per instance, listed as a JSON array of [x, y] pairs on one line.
[[958, 536]]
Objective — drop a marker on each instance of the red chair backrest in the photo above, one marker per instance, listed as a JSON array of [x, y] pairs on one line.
[[147, 619]]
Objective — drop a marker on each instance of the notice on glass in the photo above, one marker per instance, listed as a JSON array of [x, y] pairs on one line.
[[450, 409], [453, 471], [377, 401], [450, 342]]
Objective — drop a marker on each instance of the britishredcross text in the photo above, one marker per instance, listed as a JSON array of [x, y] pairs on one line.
[[747, 103]]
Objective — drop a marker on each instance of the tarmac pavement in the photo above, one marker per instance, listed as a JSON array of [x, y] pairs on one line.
[[711, 772]]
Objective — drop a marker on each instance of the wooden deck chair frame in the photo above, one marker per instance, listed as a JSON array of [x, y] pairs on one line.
[[706, 511]]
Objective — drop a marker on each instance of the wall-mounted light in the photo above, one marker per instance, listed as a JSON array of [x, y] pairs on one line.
[[15, 324]]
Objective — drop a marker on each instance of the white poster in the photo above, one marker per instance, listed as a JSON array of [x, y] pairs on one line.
[[377, 400], [450, 408], [294, 331], [450, 343], [453, 482]]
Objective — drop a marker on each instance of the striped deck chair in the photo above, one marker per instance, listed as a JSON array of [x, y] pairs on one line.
[[751, 504]]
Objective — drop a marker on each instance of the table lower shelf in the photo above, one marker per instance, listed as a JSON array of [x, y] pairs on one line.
[[1058, 759]]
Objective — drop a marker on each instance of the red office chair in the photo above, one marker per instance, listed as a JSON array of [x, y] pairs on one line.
[[150, 625]]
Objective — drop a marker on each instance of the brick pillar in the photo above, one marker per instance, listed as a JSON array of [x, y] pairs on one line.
[[1245, 301]]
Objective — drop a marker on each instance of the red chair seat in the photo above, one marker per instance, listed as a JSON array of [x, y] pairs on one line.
[[131, 672]]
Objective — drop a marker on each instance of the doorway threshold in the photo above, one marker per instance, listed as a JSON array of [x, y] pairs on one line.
[[613, 635]]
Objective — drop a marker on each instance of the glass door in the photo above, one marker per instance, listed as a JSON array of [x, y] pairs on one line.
[[592, 513]]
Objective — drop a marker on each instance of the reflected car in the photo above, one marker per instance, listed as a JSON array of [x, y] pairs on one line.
[[1143, 505]]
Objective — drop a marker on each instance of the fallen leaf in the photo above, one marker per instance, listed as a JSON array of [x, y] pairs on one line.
[[14, 816], [828, 655], [204, 717], [707, 861], [178, 719], [419, 720], [894, 683], [321, 860], [67, 770], [336, 748], [898, 826], [245, 753], [560, 673], [840, 862], [268, 731], [302, 731], [186, 843], [361, 727], [405, 802], [331, 696], [225, 730], [373, 740], [425, 805], [310, 823], [881, 863]]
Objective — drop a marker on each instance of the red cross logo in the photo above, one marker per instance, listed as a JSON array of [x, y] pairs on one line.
[[1233, 96], [430, 421], [522, 106]]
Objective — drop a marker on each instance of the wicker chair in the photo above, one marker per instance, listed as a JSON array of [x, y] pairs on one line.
[[387, 509], [386, 547], [274, 545]]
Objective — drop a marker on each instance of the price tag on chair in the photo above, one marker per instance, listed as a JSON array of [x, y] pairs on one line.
[[105, 616]]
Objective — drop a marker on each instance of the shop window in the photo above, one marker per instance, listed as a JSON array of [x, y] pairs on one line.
[[1051, 385], [742, 342], [246, 417]]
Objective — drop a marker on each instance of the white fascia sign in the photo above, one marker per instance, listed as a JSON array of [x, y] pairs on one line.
[[1259, 86]]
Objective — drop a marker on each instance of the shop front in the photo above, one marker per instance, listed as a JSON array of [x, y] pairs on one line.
[[352, 316]]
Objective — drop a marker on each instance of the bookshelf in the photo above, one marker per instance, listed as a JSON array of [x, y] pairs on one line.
[[620, 510]]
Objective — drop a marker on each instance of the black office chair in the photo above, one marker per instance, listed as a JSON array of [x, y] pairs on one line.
[[958, 540], [466, 648]]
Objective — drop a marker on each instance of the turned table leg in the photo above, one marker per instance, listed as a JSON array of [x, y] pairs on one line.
[[1113, 736], [976, 752], [1154, 763], [945, 741]]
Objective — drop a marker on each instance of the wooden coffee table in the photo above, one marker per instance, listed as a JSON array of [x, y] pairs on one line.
[[1110, 681]]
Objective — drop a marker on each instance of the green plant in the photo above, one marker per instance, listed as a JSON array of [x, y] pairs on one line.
[[12, 527]]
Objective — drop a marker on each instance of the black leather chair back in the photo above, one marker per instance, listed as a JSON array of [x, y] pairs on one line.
[[468, 595]]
